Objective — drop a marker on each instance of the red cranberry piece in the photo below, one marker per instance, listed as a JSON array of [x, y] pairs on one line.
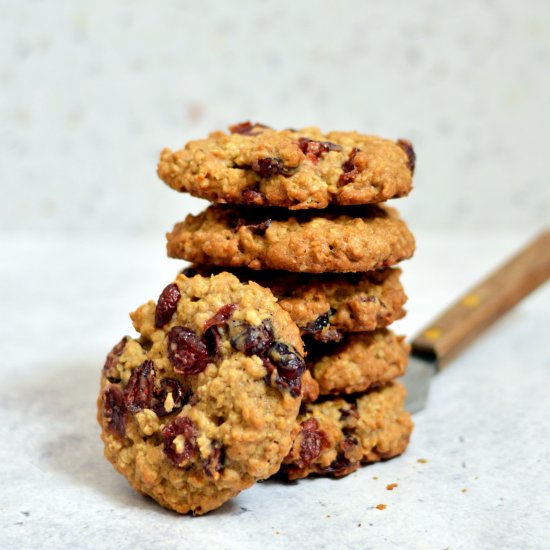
[[114, 410], [351, 414], [290, 367], [314, 149], [340, 466], [259, 228], [181, 425], [270, 166], [251, 196], [112, 360], [407, 146], [246, 128], [167, 304], [187, 352], [215, 461], [314, 442], [349, 169], [254, 222], [139, 391], [221, 316], [212, 332], [318, 324], [251, 339], [168, 386], [349, 443]]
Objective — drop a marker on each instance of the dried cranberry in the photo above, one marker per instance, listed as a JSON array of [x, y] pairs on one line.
[[251, 339], [212, 331], [221, 316], [166, 305], [246, 128], [318, 324], [407, 146], [181, 425], [290, 366], [255, 222], [139, 391], [114, 410], [252, 196], [112, 360], [270, 166], [314, 441], [352, 413], [214, 462], [314, 149], [259, 228], [349, 169], [187, 352], [340, 466], [168, 386], [349, 443]]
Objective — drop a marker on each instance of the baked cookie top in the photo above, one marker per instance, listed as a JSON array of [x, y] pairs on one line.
[[358, 362], [296, 169], [337, 435], [327, 305], [204, 402], [337, 239]]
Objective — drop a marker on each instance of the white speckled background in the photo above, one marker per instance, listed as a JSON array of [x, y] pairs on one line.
[[89, 94], [91, 91]]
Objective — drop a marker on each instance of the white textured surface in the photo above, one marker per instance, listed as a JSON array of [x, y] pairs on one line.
[[91, 92], [486, 428]]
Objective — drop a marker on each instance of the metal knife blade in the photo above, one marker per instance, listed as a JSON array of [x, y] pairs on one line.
[[417, 381]]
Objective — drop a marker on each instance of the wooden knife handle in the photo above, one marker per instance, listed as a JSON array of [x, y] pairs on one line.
[[483, 304]]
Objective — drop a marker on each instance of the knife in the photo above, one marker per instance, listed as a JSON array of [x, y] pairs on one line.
[[434, 347]]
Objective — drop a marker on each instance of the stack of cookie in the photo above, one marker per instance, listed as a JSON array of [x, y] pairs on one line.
[[298, 212], [270, 353]]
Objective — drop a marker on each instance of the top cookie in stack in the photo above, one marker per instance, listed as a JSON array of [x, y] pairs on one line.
[[295, 169], [304, 208]]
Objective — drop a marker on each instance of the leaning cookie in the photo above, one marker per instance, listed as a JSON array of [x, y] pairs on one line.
[[327, 305], [362, 238], [203, 404], [338, 435], [296, 169], [361, 360]]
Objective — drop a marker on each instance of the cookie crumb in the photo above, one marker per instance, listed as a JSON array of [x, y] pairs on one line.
[[391, 486], [422, 460], [381, 506], [464, 490]]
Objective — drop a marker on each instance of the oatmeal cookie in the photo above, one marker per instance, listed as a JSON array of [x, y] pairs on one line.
[[204, 403], [296, 169], [338, 435], [361, 360], [360, 238], [327, 305]]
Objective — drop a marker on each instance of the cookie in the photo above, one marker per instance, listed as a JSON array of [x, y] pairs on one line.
[[361, 360], [310, 388], [359, 238], [203, 404], [327, 305], [336, 436], [296, 169]]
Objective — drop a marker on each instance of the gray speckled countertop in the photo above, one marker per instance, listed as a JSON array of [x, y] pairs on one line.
[[484, 434]]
